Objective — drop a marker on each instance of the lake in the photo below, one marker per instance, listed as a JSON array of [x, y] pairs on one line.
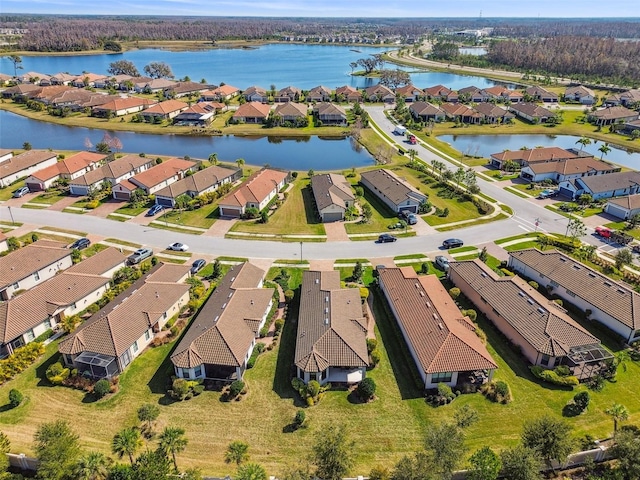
[[291, 153], [282, 64], [475, 51], [485, 145]]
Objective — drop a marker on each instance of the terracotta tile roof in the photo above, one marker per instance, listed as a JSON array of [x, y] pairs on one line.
[[331, 189], [543, 154], [408, 90], [491, 110], [227, 323], [21, 89], [291, 109], [542, 323], [256, 188], [425, 108], [127, 185], [596, 289], [26, 261], [612, 113], [69, 166], [187, 87], [579, 90], [166, 107], [630, 202], [253, 110], [168, 273], [288, 91], [47, 93], [125, 103], [442, 338], [25, 160], [100, 263], [198, 182], [393, 187], [90, 77], [331, 326], [224, 90], [319, 91], [539, 92], [458, 109], [378, 90], [346, 89], [611, 181], [437, 91], [159, 173]]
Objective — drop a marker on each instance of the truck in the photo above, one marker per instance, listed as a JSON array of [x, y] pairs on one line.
[[400, 130]]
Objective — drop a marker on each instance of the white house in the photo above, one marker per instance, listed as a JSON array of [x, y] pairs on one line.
[[23, 165]]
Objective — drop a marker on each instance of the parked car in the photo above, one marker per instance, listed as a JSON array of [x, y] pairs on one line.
[[452, 243], [604, 232], [20, 192], [412, 219], [139, 255], [386, 238], [635, 248], [547, 193], [80, 243], [178, 247], [154, 210], [442, 263], [197, 266]]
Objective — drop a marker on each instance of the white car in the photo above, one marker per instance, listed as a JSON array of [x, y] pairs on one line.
[[442, 262], [178, 247]]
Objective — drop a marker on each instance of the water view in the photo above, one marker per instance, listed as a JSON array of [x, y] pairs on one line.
[[485, 145], [304, 66], [293, 153]]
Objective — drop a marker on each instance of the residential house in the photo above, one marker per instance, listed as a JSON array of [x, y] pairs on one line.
[[458, 112], [333, 196], [623, 207], [395, 192], [5, 154], [256, 94], [319, 94], [114, 172], [541, 329], [473, 94], [611, 115], [104, 263], [603, 186], [113, 81], [426, 112], [105, 344], [491, 113], [78, 99], [410, 93], [630, 98], [34, 78], [24, 164], [291, 112], [154, 86], [220, 340], [531, 112], [331, 341], [223, 92], [288, 94], [534, 155], [20, 92], [441, 340], [568, 169], [441, 93], [4, 244], [379, 93], [201, 182], [255, 192], [630, 127], [68, 168], [185, 89], [330, 114], [164, 110], [539, 94], [155, 178], [580, 94], [252, 112], [613, 304], [122, 106], [86, 80], [348, 94], [5, 79], [31, 265], [502, 93], [199, 114]]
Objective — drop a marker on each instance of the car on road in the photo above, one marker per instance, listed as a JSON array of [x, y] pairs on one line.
[[139, 255], [386, 238], [154, 210], [442, 263], [197, 266], [20, 192], [80, 243], [604, 232], [178, 247], [452, 243]]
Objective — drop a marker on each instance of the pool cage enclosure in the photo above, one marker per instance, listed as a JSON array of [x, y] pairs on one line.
[[96, 365]]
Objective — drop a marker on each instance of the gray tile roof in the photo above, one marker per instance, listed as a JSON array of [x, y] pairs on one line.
[[331, 189], [198, 182], [393, 187], [25, 160], [100, 263], [331, 327], [26, 261], [611, 181]]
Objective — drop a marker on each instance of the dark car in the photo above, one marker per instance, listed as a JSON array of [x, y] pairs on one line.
[[80, 243], [452, 243], [197, 266], [139, 255], [20, 192], [386, 238], [153, 210]]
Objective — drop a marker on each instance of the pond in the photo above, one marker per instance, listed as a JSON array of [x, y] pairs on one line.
[[485, 145], [282, 64], [291, 153], [476, 51]]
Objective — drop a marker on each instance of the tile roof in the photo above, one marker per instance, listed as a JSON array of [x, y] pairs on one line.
[[442, 338], [198, 182], [611, 181], [169, 273], [125, 103], [326, 108], [255, 90], [225, 90], [437, 91], [25, 261], [542, 154], [291, 109], [542, 323], [596, 289], [531, 109], [256, 188], [112, 170], [164, 171], [25, 160], [253, 110], [491, 110], [630, 202], [425, 108], [573, 166], [458, 109], [331, 326], [166, 107], [331, 189], [537, 91], [100, 263], [610, 113], [227, 323], [580, 90], [393, 187]]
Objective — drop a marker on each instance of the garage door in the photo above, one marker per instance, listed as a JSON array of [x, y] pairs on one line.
[[616, 211], [409, 208], [121, 195], [332, 217], [230, 212], [34, 186], [565, 192], [164, 201]]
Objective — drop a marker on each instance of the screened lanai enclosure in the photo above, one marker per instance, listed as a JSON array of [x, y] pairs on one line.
[[96, 365]]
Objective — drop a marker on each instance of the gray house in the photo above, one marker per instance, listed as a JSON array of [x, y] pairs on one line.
[[333, 196], [395, 192]]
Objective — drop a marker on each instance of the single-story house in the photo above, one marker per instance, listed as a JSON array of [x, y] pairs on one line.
[[441, 340], [288, 94], [580, 94], [104, 263], [224, 92], [164, 110], [31, 265], [543, 331], [459, 112], [440, 92], [333, 196], [114, 172], [201, 182], [252, 112], [154, 86], [426, 112], [122, 106], [162, 175], [535, 155], [34, 78], [4, 245], [623, 207], [603, 186], [220, 340], [131, 84], [5, 79], [394, 191], [629, 127], [567, 169], [630, 98], [113, 81], [123, 190], [531, 112], [5, 154], [330, 114], [539, 94], [62, 78], [490, 113], [500, 92], [79, 99], [613, 304], [291, 112], [348, 94], [473, 94], [23, 165], [199, 114], [184, 89], [20, 92], [255, 192], [610, 115], [105, 344], [410, 93], [255, 94], [379, 93], [331, 341], [319, 94], [86, 80], [68, 168]]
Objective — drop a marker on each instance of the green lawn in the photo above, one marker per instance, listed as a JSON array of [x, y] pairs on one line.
[[127, 209], [202, 217], [7, 192], [48, 198], [382, 216], [634, 232], [515, 237], [122, 242]]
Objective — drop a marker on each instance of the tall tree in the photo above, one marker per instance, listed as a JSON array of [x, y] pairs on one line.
[[213, 158], [57, 449], [520, 463], [158, 70], [584, 141], [127, 442], [237, 452], [152, 465], [332, 453], [575, 228], [173, 441], [549, 437], [251, 471], [5, 447], [445, 444], [17, 63], [604, 150], [627, 450], [123, 67], [485, 465], [619, 413], [93, 466], [240, 162]]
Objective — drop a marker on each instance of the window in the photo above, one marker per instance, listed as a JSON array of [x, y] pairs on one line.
[[185, 373], [16, 285], [545, 359], [441, 377], [30, 335], [36, 276], [47, 323], [147, 335], [198, 371], [570, 293], [135, 346]]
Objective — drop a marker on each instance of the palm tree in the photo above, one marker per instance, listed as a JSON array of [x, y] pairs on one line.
[[172, 440], [412, 155], [251, 471], [438, 166], [604, 149], [17, 63], [240, 163], [213, 158], [584, 141], [93, 466], [619, 413], [236, 452], [127, 442]]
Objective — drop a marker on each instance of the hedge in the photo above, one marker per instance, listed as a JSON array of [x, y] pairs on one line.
[[21, 359], [552, 377]]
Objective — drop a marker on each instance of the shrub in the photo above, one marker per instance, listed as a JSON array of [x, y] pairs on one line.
[[236, 388], [364, 293], [313, 388], [15, 398], [558, 301], [288, 295], [366, 389], [179, 388], [472, 314], [22, 357], [264, 331], [372, 343], [279, 324], [562, 370], [454, 292], [101, 388], [551, 376], [299, 419], [581, 400], [375, 357], [57, 373], [534, 284], [498, 392]]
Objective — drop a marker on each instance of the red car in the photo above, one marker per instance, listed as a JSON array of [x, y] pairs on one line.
[[604, 232]]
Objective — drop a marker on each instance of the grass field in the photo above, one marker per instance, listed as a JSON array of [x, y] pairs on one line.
[[203, 217]]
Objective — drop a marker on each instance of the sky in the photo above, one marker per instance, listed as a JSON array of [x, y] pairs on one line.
[[333, 8]]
